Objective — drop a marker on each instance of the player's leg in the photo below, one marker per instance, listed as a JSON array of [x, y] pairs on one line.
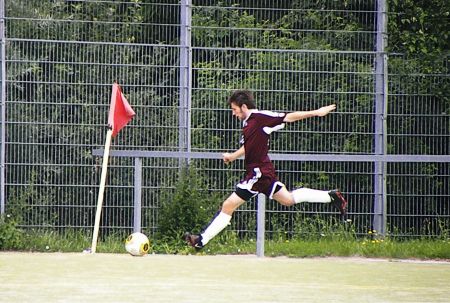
[[283, 196], [244, 191], [233, 202], [221, 220]]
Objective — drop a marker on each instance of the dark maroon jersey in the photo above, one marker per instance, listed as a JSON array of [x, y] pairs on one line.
[[256, 131]]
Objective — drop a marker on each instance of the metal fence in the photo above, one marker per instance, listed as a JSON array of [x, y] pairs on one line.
[[386, 146]]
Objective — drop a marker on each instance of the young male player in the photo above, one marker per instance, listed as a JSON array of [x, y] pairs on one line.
[[260, 174]]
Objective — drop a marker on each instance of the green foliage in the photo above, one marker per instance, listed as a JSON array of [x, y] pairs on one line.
[[419, 28], [10, 234], [48, 240], [413, 249], [324, 238], [188, 208], [58, 98], [319, 228]]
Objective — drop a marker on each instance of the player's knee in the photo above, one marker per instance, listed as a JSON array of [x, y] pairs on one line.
[[232, 203], [229, 206]]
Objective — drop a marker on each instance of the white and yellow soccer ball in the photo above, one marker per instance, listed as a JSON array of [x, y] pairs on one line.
[[137, 244]]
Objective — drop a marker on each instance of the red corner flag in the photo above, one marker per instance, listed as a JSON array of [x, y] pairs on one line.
[[120, 111]]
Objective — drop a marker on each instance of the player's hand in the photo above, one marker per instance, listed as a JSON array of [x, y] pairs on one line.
[[227, 158], [323, 111]]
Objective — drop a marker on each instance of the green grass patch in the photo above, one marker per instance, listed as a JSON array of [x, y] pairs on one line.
[[229, 243], [313, 237], [420, 249]]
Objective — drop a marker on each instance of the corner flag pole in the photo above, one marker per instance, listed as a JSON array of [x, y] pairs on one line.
[[120, 113], [101, 191]]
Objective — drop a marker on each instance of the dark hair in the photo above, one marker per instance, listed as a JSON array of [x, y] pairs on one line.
[[241, 97]]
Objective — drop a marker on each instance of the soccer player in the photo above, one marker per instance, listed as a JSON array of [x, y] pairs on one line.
[[260, 174]]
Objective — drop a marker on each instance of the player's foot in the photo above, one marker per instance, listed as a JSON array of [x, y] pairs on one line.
[[338, 201], [193, 240]]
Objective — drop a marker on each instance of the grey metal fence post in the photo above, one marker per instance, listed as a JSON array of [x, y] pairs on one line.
[[2, 108], [185, 75], [260, 225], [380, 201], [137, 195]]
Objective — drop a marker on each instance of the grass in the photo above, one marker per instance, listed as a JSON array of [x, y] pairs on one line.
[[301, 248], [421, 249], [228, 243], [313, 237]]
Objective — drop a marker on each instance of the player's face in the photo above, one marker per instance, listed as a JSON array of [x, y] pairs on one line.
[[238, 111]]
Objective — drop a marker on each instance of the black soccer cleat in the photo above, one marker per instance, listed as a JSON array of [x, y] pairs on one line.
[[193, 240], [338, 201]]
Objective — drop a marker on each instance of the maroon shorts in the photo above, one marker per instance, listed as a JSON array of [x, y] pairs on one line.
[[258, 181]]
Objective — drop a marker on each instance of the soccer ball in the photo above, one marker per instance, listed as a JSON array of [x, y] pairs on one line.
[[137, 244]]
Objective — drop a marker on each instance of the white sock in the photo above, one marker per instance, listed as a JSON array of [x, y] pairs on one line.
[[310, 195], [216, 226]]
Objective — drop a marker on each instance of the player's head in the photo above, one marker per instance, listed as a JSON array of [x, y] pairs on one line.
[[241, 101], [242, 97]]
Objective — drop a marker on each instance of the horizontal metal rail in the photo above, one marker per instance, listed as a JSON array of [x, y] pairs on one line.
[[281, 157]]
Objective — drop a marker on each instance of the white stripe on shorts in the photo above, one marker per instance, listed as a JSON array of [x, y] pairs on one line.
[[247, 185]]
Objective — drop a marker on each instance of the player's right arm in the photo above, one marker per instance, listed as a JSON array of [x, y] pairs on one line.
[[230, 157], [300, 115]]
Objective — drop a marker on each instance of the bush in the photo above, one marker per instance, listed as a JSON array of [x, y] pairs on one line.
[[10, 234], [189, 208]]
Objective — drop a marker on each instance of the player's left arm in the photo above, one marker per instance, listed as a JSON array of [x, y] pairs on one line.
[[230, 157], [300, 115]]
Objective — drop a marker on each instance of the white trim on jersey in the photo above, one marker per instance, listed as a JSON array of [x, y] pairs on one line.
[[251, 111], [268, 130], [264, 112], [271, 113]]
